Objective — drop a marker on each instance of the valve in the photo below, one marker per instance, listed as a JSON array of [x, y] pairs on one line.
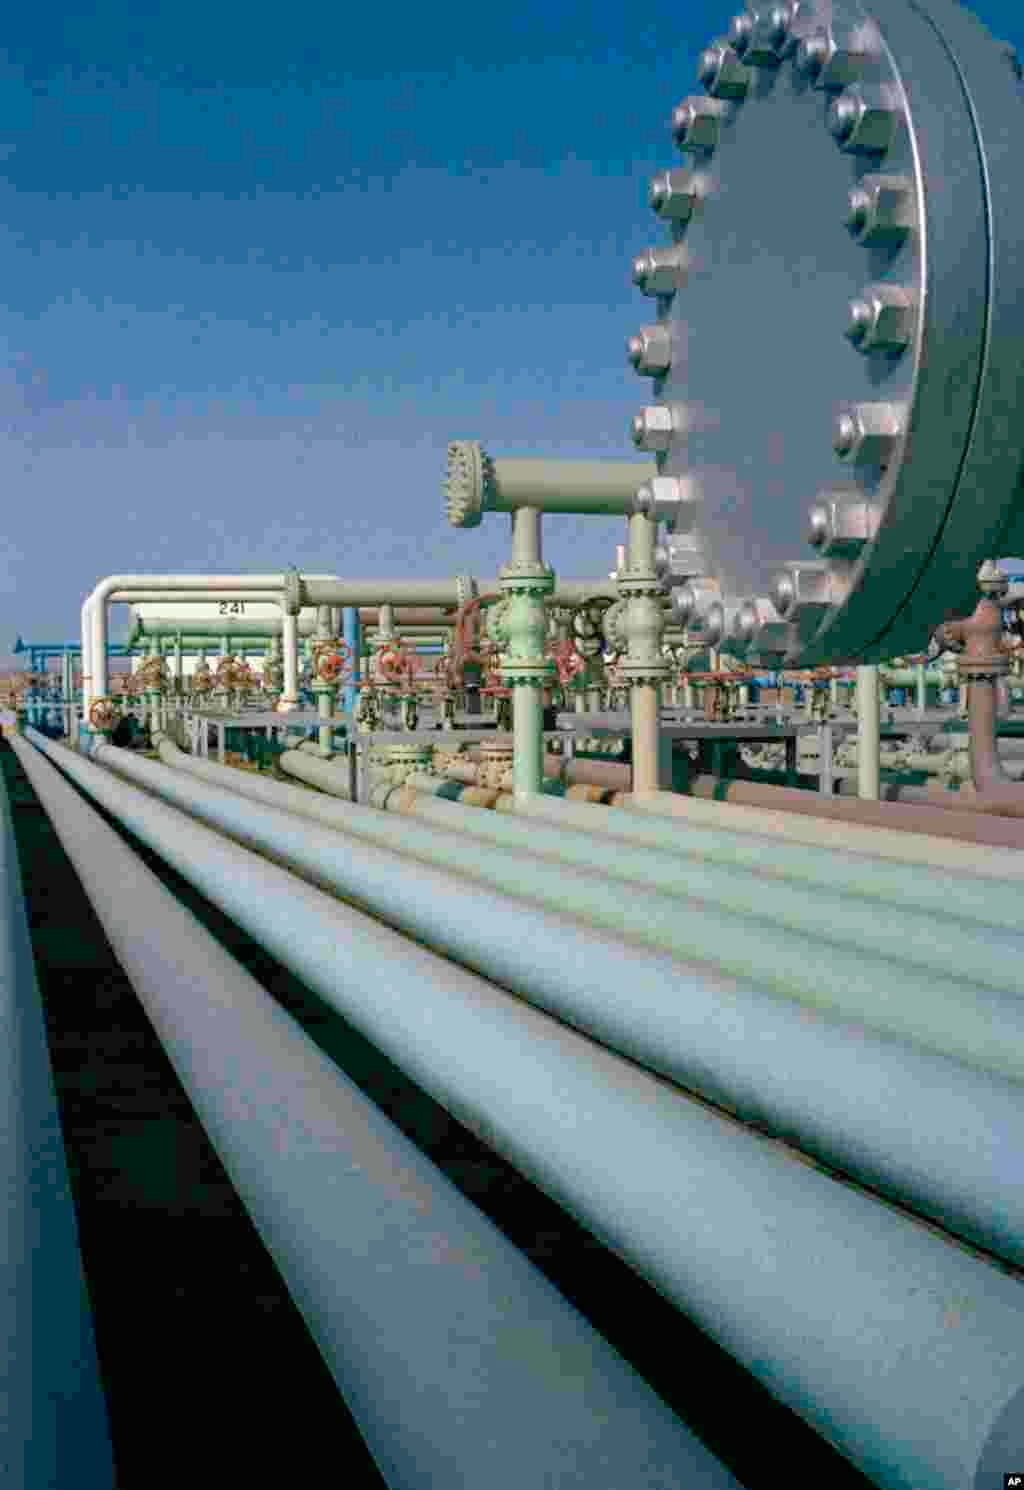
[[332, 661], [103, 715]]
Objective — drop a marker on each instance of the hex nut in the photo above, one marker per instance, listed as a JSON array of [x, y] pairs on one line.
[[721, 72], [768, 37], [678, 194], [882, 319], [650, 350], [841, 527], [661, 271], [867, 434], [863, 123], [654, 428], [881, 209], [833, 65], [696, 123]]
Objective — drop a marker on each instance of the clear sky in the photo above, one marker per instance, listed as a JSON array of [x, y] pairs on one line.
[[258, 264]]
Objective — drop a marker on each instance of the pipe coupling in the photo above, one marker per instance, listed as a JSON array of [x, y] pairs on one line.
[[292, 593]]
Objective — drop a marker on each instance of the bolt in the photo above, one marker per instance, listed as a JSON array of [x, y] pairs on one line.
[[661, 271], [867, 434], [654, 427], [768, 38], [740, 28], [881, 209], [862, 124], [677, 194], [683, 602], [841, 528], [696, 123], [722, 73], [831, 66], [650, 351], [799, 585], [882, 320]]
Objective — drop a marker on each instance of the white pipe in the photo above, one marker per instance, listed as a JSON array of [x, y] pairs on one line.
[[94, 613], [868, 734]]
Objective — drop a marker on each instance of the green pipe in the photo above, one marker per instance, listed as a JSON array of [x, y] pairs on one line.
[[477, 483], [931, 1010]]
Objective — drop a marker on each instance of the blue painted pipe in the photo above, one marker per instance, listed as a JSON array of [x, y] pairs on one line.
[[461, 1363], [352, 636], [54, 1433], [903, 1349]]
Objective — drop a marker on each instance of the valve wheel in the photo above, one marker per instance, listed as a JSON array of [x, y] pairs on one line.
[[568, 662], [102, 714]]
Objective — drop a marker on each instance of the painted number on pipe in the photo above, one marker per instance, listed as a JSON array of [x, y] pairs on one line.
[[232, 607]]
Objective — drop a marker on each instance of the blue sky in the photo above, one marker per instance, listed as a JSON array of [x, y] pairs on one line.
[[259, 264]]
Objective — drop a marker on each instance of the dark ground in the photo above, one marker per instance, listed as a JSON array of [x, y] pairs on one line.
[[210, 1374]]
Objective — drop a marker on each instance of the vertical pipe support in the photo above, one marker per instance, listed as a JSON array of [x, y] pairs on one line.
[[351, 637], [868, 723], [644, 668], [520, 625]]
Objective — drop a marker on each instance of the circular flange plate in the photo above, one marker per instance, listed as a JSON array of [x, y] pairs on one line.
[[845, 336]]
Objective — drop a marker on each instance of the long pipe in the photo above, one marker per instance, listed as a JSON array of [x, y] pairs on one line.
[[698, 852], [910, 818], [906, 1351], [380, 1251], [982, 1026], [987, 880], [53, 1417], [653, 1028]]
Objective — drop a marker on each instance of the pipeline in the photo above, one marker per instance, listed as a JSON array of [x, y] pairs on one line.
[[646, 1168], [856, 979], [315, 1161], [583, 1010], [54, 1430]]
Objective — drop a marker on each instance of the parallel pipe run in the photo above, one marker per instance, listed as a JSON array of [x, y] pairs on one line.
[[970, 1017], [54, 1431], [928, 1385], [782, 801], [735, 870], [685, 1028], [987, 886], [380, 1252]]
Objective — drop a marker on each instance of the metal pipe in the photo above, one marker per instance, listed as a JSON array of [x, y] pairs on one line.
[[867, 733], [907, 868], [726, 1225], [731, 868], [54, 1430], [783, 801], [477, 482], [978, 1021], [380, 1252]]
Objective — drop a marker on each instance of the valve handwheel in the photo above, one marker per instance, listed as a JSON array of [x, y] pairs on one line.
[[333, 663], [102, 714], [568, 661]]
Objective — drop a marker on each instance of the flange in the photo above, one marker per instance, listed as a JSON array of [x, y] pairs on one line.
[[849, 320]]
